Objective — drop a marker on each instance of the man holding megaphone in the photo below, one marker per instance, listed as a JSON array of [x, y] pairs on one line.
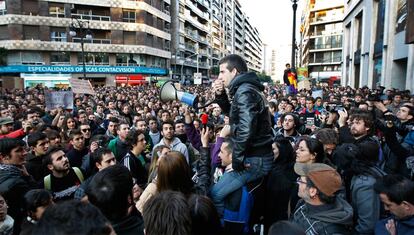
[[251, 132]]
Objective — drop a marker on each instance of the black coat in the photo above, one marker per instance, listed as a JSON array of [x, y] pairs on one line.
[[13, 187], [249, 115]]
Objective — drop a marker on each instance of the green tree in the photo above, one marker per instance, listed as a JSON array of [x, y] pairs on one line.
[[265, 78]]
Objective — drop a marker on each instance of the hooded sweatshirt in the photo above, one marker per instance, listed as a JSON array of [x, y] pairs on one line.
[[176, 145], [325, 219]]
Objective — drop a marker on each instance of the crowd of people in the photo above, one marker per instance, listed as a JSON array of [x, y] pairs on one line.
[[258, 160]]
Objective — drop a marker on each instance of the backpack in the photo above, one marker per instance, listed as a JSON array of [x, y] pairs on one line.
[[239, 219], [48, 183]]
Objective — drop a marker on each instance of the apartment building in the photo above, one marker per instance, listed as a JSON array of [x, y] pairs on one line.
[[321, 39], [376, 49], [203, 31], [124, 41], [191, 39]]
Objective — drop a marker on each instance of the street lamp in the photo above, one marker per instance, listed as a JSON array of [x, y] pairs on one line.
[[182, 64], [294, 6], [85, 32]]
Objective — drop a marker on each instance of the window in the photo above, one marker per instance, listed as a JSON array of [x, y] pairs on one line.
[[31, 32], [58, 35], [57, 11], [4, 32], [30, 7], [102, 59], [129, 16], [337, 56], [130, 38], [150, 40], [154, 21], [94, 58], [121, 59], [59, 58]]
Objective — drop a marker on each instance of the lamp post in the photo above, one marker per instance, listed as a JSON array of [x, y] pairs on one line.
[[85, 32], [182, 64], [294, 6]]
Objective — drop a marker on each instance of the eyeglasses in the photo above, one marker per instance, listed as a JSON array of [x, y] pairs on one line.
[[299, 181], [86, 130]]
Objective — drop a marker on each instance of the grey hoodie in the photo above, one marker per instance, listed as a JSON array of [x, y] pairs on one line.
[[176, 145], [326, 219]]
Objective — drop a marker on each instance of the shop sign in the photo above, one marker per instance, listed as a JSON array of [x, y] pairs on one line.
[[79, 69]]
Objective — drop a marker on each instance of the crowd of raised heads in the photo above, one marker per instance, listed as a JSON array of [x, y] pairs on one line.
[[123, 162]]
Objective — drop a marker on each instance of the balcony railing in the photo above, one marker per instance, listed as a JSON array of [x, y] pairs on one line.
[[326, 60], [59, 63], [203, 52], [196, 10], [91, 17], [204, 3], [94, 40], [194, 21], [195, 36], [93, 63], [327, 46], [58, 39], [129, 64], [190, 47], [325, 19]]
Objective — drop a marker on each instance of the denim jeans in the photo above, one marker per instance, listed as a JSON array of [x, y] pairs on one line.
[[232, 181]]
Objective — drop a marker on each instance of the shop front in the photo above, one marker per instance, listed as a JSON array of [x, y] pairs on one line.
[[58, 76]]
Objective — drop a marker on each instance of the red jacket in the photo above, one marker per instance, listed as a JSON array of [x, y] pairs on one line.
[[15, 134]]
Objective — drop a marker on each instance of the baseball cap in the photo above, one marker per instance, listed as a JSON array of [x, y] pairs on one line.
[[6, 120], [324, 177]]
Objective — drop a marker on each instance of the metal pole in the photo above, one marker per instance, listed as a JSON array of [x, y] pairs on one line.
[[83, 58], [182, 78], [294, 6], [175, 63], [197, 63]]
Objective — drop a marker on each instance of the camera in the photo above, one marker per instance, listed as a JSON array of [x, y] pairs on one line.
[[339, 108], [374, 96], [389, 118]]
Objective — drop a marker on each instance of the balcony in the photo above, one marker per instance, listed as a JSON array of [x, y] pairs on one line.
[[205, 3], [130, 64], [203, 52], [93, 41], [195, 36], [3, 12], [91, 17], [326, 60], [324, 19], [196, 10], [195, 22], [190, 47], [326, 46]]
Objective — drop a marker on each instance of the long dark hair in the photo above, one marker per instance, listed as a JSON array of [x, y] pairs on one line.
[[174, 173], [286, 154]]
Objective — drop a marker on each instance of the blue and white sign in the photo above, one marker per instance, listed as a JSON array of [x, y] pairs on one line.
[[79, 69]]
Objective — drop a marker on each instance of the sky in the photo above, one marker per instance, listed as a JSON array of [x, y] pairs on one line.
[[273, 20]]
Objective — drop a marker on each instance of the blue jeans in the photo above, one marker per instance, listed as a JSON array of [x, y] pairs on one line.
[[232, 181]]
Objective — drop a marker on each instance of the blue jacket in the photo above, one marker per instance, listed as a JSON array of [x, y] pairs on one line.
[[403, 226]]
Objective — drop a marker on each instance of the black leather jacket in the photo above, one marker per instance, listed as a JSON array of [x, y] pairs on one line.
[[251, 131]]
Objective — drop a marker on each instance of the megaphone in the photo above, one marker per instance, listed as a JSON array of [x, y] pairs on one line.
[[168, 92]]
